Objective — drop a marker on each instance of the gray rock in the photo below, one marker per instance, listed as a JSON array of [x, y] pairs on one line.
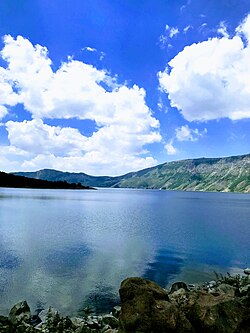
[[247, 271], [178, 285], [116, 311], [92, 323], [105, 328], [244, 291], [191, 286], [4, 321], [212, 284], [226, 289], [110, 320], [44, 314], [20, 313], [77, 322]]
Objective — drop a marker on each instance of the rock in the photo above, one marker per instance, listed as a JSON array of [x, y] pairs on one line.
[[191, 286], [146, 308], [247, 271], [212, 284], [25, 328], [77, 322], [43, 315], [244, 291], [133, 287], [116, 311], [223, 313], [110, 320], [178, 297], [92, 323], [106, 328], [4, 321], [226, 289], [178, 285], [35, 320], [20, 313]]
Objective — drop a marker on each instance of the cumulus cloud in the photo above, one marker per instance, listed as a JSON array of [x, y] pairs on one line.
[[223, 29], [3, 111], [124, 123], [185, 133], [170, 149], [210, 79]]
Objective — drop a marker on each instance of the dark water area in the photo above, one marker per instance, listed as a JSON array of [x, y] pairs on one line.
[[70, 249]]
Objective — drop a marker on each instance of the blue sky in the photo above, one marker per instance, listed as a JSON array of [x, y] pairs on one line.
[[108, 87]]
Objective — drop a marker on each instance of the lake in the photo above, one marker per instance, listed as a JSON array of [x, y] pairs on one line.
[[72, 248]]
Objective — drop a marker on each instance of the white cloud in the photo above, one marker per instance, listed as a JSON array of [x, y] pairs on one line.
[[90, 49], [188, 27], [173, 31], [171, 150], [3, 111], [202, 27], [112, 150], [36, 137], [184, 6], [210, 80], [244, 28], [170, 32], [223, 29], [124, 122], [185, 133]]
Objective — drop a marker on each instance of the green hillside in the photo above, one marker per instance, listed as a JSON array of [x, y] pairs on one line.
[[9, 180], [229, 174]]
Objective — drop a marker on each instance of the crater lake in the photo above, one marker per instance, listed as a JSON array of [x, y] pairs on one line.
[[72, 248]]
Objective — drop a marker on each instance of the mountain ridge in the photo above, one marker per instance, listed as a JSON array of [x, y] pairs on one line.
[[223, 174], [18, 181]]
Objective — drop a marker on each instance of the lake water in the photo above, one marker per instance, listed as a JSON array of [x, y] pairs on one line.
[[70, 249]]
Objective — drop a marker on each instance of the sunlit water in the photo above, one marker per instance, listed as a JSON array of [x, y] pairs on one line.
[[70, 249]]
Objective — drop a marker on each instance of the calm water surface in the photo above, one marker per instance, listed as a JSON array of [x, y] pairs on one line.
[[70, 249]]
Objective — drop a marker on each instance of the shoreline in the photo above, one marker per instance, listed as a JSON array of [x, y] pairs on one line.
[[146, 307]]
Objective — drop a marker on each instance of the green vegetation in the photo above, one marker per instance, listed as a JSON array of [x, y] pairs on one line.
[[229, 174], [236, 281], [8, 180]]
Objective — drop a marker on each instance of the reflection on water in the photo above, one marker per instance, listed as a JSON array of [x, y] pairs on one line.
[[62, 262], [70, 249], [165, 266], [8, 260]]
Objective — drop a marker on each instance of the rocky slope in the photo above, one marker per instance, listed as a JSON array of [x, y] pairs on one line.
[[229, 174]]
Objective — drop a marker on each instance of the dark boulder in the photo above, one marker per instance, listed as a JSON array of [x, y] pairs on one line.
[[178, 285], [146, 308], [20, 313]]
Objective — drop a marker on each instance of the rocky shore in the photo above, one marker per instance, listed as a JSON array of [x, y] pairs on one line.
[[222, 306]]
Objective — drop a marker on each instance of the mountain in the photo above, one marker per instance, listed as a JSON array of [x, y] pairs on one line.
[[9, 180], [227, 174], [54, 175]]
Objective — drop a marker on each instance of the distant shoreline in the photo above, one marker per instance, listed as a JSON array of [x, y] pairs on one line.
[[13, 181]]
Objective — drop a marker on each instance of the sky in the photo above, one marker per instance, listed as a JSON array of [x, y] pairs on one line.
[[106, 87]]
